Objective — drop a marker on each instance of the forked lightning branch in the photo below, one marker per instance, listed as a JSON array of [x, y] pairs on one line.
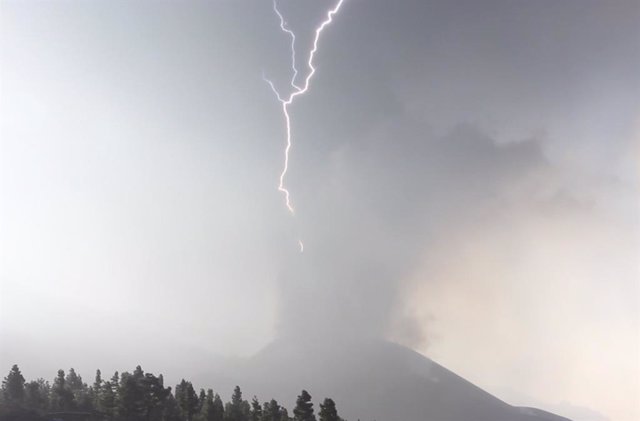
[[296, 91]]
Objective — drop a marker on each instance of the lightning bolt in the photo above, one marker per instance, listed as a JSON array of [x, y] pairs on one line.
[[283, 26], [297, 90]]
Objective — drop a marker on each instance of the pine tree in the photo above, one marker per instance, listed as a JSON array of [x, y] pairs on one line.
[[79, 389], [208, 408], [272, 411], [154, 395], [131, 398], [13, 386], [284, 414], [62, 398], [218, 409], [96, 390], [138, 372], [236, 398], [107, 398], [201, 399], [304, 408], [237, 409], [37, 395], [115, 387], [171, 410], [256, 410], [125, 407], [187, 399], [74, 381], [115, 380], [328, 411]]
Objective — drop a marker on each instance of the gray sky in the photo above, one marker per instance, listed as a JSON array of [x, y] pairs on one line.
[[464, 175]]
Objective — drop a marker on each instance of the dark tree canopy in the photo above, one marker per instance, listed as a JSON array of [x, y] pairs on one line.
[[238, 409], [328, 411], [139, 396], [218, 408], [37, 394], [304, 408], [13, 385], [272, 411], [62, 398], [256, 410], [187, 399]]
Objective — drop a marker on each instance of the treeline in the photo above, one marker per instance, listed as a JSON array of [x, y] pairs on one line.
[[139, 396]]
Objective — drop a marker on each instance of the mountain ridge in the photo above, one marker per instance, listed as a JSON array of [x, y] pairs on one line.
[[370, 380]]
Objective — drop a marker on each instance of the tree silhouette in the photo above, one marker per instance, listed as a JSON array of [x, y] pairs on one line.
[[328, 411], [304, 408], [218, 408], [271, 411], [237, 409], [62, 398], [96, 390], [187, 399], [37, 394], [13, 386], [139, 396], [256, 410]]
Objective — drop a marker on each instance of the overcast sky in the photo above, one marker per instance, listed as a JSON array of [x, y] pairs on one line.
[[464, 175]]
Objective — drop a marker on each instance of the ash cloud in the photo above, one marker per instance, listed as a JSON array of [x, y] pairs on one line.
[[378, 207], [427, 122]]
